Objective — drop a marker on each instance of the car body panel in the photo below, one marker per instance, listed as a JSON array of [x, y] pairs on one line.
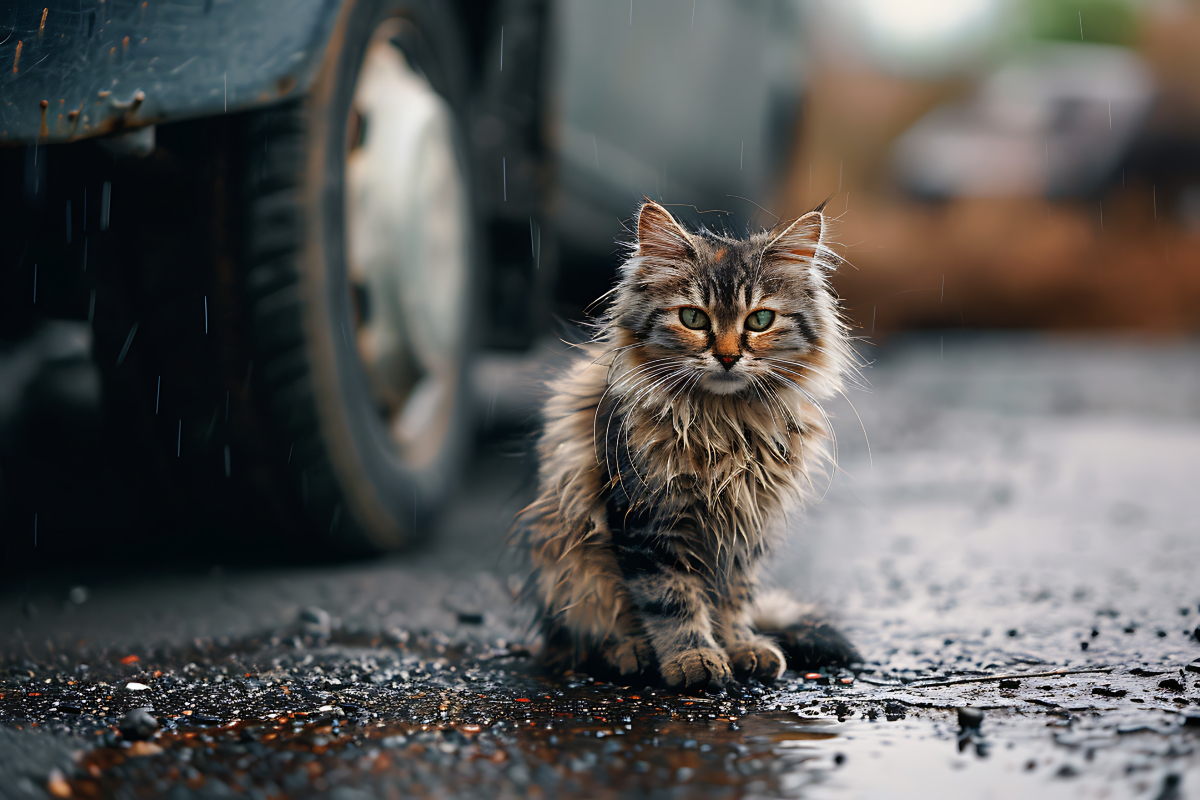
[[71, 69]]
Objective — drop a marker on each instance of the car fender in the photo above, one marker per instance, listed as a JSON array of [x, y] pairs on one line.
[[72, 69]]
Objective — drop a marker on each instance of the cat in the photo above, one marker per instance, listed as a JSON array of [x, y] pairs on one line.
[[674, 445]]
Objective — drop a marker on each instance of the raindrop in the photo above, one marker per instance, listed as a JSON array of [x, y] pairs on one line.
[[179, 439], [105, 203], [158, 394], [128, 342]]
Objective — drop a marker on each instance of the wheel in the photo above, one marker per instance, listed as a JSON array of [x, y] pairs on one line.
[[356, 274]]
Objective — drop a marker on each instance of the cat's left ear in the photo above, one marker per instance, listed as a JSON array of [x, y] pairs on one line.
[[800, 241], [660, 236]]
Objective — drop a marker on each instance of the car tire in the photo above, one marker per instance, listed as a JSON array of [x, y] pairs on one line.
[[356, 487]]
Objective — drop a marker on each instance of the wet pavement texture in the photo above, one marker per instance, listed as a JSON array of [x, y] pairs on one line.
[[1019, 540]]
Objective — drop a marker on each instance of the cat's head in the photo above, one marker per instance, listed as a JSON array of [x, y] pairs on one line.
[[725, 316]]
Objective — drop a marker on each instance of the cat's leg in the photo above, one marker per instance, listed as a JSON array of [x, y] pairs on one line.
[[673, 605], [587, 611], [750, 654]]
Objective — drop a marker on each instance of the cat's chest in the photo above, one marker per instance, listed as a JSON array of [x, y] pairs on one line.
[[717, 456]]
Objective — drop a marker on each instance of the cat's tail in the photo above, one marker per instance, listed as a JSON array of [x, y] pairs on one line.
[[804, 632]]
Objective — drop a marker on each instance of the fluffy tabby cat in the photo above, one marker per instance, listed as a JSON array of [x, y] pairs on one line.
[[674, 446]]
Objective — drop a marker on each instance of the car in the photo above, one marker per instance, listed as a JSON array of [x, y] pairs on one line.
[[261, 245]]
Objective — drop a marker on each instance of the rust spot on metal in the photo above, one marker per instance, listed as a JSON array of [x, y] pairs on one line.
[[44, 130], [285, 85], [44, 104], [74, 117], [105, 93], [112, 51], [17, 58], [42, 27], [125, 43]]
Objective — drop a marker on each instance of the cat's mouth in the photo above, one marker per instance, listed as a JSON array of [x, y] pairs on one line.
[[724, 382]]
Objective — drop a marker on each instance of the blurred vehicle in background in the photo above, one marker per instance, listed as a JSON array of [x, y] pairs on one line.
[[255, 254]]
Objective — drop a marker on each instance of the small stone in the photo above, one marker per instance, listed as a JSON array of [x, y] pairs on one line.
[[1171, 685], [57, 784], [144, 749], [1010, 683], [138, 724], [969, 718], [1194, 666], [133, 686], [315, 622]]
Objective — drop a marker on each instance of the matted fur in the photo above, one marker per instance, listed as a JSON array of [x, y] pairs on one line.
[[670, 455]]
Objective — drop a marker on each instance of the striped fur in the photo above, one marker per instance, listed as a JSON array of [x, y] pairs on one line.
[[670, 455]]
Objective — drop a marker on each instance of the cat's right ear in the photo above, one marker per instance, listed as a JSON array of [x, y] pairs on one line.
[[660, 236], [800, 241]]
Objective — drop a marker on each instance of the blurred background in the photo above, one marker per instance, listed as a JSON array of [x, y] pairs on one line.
[[992, 163], [200, 330]]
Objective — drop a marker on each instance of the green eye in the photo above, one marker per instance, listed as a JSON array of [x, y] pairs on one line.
[[693, 318], [760, 320]]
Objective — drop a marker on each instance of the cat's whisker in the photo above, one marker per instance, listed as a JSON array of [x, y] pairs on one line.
[[609, 388], [645, 379], [830, 432]]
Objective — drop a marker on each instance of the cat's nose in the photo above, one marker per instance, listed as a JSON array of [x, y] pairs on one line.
[[728, 359]]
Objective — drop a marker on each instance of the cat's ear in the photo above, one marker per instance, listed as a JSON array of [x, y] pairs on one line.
[[801, 240], [660, 236]]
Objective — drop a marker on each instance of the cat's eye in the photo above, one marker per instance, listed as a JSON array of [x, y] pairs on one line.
[[760, 320], [693, 318]]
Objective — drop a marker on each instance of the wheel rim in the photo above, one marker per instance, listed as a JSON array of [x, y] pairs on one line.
[[407, 229]]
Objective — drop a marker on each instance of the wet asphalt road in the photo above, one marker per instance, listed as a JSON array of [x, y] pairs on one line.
[[1020, 538]]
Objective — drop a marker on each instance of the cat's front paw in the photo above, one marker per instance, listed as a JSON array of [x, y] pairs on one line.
[[760, 659], [696, 669]]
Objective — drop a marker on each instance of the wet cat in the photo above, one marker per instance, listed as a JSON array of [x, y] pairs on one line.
[[674, 445]]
